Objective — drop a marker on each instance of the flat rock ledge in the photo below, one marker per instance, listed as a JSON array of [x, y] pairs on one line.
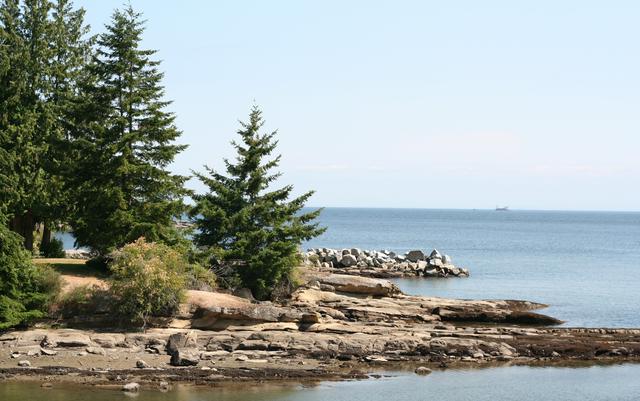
[[335, 327], [383, 264]]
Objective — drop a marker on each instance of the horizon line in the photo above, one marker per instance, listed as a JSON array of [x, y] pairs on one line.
[[472, 209]]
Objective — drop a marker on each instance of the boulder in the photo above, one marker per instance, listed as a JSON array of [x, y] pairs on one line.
[[435, 262], [360, 285], [422, 370], [24, 364], [415, 255], [185, 357], [435, 254], [356, 252], [66, 339], [310, 318], [140, 364], [348, 260], [217, 317], [181, 340], [96, 351], [244, 293], [446, 259], [131, 387]]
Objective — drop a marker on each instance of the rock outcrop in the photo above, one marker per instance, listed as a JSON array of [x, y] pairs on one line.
[[329, 320]]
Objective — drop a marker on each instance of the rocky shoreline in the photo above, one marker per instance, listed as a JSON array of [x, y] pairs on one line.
[[335, 327], [383, 264]]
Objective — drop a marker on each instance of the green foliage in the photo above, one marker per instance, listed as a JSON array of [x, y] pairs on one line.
[[147, 279], [26, 290], [200, 278], [82, 301], [123, 140], [42, 51], [53, 249], [240, 220]]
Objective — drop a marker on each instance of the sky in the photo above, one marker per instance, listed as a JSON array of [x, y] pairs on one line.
[[422, 104]]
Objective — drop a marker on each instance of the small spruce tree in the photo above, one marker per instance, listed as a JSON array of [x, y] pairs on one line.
[[239, 219]]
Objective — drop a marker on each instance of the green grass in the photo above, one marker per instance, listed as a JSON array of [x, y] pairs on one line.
[[72, 267]]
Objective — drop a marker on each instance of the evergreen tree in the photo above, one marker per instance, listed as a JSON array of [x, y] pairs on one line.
[[124, 140], [23, 29], [42, 47], [71, 52], [11, 87], [240, 220]]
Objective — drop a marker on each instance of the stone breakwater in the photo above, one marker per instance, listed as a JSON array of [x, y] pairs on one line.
[[383, 264]]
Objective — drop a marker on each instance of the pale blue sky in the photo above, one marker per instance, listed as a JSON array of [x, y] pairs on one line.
[[456, 104]]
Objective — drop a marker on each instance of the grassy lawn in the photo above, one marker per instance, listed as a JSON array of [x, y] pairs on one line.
[[72, 267]]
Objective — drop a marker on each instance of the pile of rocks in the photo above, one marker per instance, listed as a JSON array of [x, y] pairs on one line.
[[383, 264]]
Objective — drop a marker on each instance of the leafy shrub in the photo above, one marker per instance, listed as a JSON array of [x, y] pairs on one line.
[[26, 290], [147, 279], [55, 249], [200, 278], [99, 263], [82, 300]]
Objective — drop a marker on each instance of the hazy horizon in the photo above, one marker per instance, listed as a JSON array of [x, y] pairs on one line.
[[413, 104]]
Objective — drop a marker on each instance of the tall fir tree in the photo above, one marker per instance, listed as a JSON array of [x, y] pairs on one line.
[[71, 52], [12, 82], [239, 219], [124, 140], [26, 121], [35, 76]]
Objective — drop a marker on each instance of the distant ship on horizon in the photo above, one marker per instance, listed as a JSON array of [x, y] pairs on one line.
[[502, 208]]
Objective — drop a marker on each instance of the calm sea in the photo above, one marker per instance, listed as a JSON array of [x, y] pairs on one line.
[[520, 383], [585, 265]]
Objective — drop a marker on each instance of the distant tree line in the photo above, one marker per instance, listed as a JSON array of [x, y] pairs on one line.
[[86, 141]]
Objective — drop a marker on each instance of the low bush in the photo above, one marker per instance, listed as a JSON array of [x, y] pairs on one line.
[[54, 249], [200, 278], [147, 279], [26, 290]]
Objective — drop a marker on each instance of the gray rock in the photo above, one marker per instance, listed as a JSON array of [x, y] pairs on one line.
[[181, 340], [435, 254], [96, 351], [355, 252], [348, 260], [422, 370], [185, 357], [48, 352], [244, 293], [360, 285], [435, 262], [140, 364], [415, 255], [24, 364], [66, 339], [131, 387], [446, 259], [311, 317]]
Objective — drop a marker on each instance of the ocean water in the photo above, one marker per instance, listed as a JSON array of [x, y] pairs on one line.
[[617, 383], [584, 265]]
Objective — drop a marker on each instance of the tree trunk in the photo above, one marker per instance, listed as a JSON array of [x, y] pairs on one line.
[[23, 225], [46, 235]]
